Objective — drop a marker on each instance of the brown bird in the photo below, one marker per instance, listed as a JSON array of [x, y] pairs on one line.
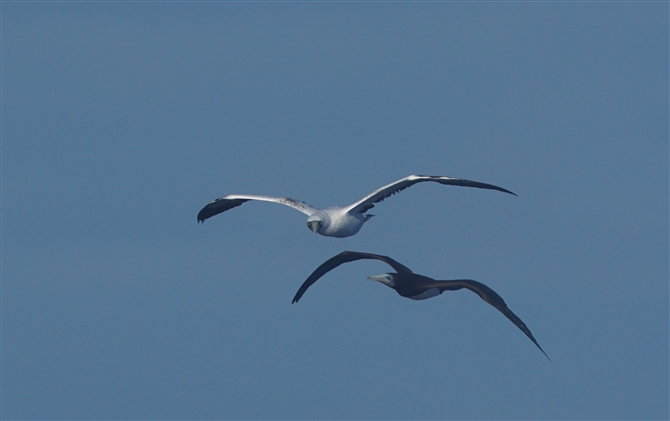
[[417, 287]]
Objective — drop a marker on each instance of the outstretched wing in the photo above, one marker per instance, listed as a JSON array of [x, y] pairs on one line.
[[491, 297], [222, 204], [345, 257], [382, 193]]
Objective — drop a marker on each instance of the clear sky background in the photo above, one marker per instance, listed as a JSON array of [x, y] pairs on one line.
[[121, 120]]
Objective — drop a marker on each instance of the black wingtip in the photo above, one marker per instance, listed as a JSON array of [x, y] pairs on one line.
[[506, 191], [532, 338], [469, 183], [545, 354], [202, 216], [218, 206]]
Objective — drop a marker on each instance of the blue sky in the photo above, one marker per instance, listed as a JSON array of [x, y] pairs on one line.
[[121, 120]]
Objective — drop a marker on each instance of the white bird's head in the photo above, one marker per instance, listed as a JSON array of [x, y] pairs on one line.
[[314, 223], [385, 278]]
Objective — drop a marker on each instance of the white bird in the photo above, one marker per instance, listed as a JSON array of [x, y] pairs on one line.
[[339, 221]]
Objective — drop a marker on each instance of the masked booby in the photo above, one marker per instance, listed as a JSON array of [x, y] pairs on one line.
[[417, 287], [339, 221]]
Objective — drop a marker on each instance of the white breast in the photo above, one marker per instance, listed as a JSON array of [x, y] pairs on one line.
[[342, 224]]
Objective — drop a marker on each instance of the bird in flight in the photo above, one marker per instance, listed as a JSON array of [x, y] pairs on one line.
[[417, 287], [339, 221]]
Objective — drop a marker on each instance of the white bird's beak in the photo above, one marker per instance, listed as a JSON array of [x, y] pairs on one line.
[[314, 226], [381, 278]]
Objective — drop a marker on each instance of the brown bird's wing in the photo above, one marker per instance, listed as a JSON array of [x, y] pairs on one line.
[[491, 297], [345, 257]]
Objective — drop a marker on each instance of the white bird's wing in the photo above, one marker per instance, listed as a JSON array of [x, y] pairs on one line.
[[368, 202], [222, 204]]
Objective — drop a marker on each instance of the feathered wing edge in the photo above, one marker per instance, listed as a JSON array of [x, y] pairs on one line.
[[491, 297], [345, 257], [382, 193], [225, 203]]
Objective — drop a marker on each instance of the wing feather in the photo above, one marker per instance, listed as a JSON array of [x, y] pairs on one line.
[[225, 203], [491, 297], [345, 257], [368, 202]]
